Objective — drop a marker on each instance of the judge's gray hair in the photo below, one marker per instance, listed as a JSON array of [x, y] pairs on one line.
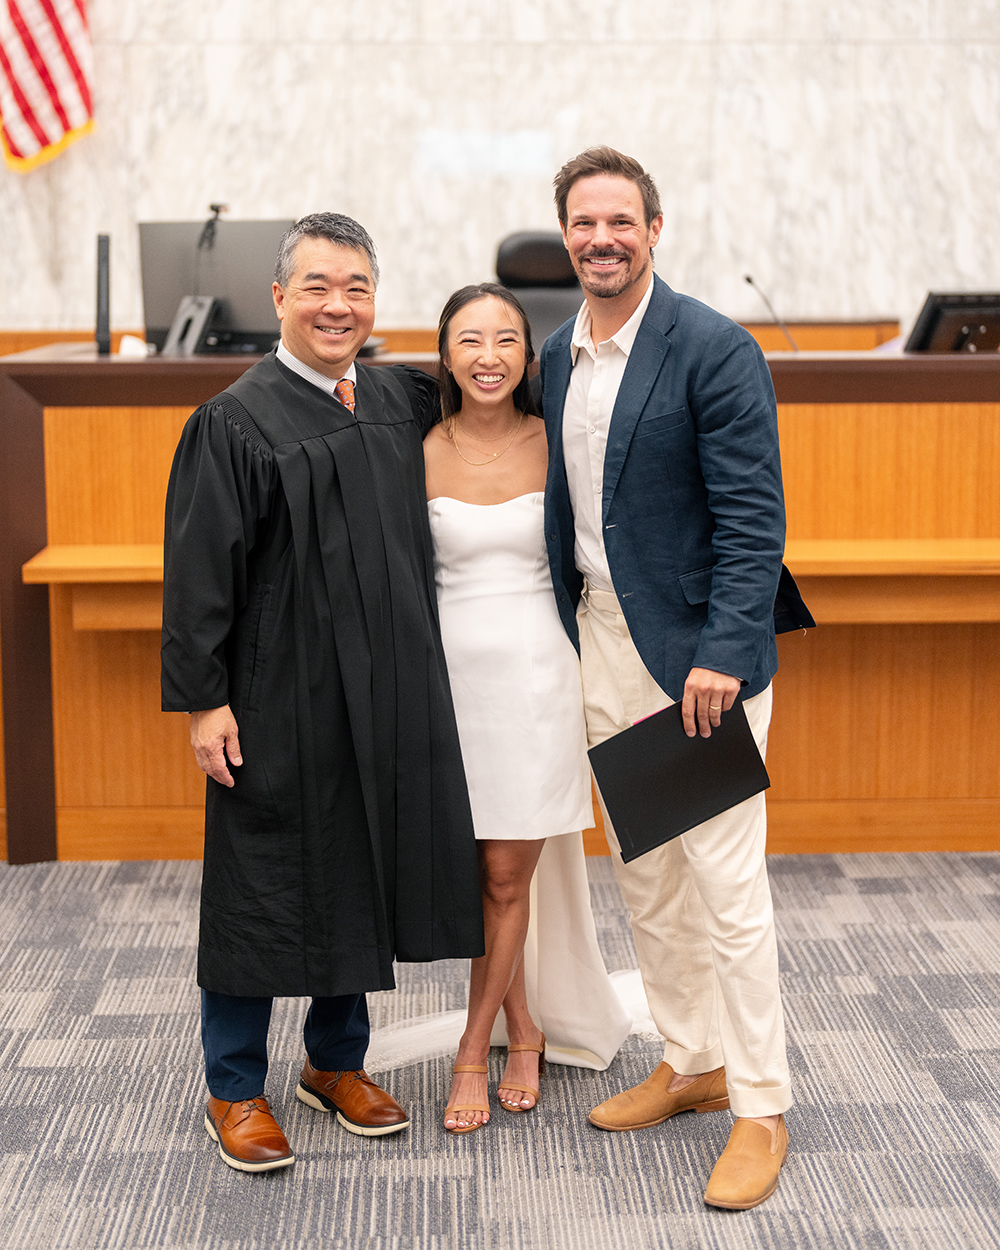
[[338, 229]]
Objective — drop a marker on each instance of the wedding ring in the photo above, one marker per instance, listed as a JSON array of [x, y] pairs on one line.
[[714, 707]]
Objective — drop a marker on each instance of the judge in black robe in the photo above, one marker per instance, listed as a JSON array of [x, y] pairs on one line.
[[298, 588], [299, 591]]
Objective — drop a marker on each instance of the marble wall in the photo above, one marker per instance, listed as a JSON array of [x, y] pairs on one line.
[[843, 151]]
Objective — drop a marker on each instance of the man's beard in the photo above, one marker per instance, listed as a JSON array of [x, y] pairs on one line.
[[609, 290]]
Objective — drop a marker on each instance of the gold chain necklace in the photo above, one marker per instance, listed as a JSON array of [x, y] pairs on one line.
[[476, 439], [479, 464]]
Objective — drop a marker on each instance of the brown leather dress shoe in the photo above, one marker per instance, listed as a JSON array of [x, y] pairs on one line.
[[359, 1103], [747, 1170], [651, 1102], [248, 1135]]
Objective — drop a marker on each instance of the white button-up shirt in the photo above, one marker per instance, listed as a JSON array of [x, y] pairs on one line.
[[312, 375], [590, 400]]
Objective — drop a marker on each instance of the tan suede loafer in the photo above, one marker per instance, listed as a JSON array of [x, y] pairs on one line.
[[747, 1171], [248, 1135], [362, 1106], [651, 1102]]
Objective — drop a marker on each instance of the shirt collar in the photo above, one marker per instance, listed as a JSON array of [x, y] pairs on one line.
[[623, 340], [329, 385]]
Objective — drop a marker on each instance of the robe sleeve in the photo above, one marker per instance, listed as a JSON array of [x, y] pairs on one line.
[[222, 485], [421, 391]]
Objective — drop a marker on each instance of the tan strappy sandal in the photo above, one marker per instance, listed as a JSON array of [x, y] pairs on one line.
[[527, 1089], [467, 1106]]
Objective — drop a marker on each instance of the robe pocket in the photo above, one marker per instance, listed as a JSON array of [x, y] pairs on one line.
[[660, 422], [257, 645], [697, 586]]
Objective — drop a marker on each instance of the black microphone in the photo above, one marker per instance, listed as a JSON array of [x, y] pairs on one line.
[[206, 240], [103, 331], [774, 315]]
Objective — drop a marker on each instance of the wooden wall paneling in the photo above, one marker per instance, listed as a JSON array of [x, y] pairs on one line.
[[128, 606], [891, 470], [903, 599], [131, 832], [107, 470], [849, 826], [114, 747], [905, 715], [831, 336], [25, 340]]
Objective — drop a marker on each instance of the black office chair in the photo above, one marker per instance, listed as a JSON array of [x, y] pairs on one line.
[[535, 265]]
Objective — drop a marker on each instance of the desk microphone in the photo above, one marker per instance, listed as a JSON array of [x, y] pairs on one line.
[[206, 240], [103, 331], [777, 320]]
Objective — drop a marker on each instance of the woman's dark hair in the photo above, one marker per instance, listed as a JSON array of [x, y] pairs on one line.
[[451, 393]]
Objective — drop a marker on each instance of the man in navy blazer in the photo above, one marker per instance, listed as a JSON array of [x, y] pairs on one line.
[[665, 531]]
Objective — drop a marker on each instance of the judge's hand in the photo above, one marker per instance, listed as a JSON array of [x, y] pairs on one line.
[[214, 737], [707, 694]]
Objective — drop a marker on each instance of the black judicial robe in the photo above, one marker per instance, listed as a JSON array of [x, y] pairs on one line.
[[299, 589]]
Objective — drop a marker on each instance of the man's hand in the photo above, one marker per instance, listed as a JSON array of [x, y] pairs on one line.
[[214, 737], [707, 694]]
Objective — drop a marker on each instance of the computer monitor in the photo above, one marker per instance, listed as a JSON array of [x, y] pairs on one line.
[[237, 270], [957, 322]]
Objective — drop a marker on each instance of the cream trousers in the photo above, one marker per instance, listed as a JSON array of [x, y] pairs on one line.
[[700, 905]]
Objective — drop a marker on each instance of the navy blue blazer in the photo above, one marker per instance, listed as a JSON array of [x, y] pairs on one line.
[[693, 510]]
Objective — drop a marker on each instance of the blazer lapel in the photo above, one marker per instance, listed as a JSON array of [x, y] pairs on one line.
[[644, 364], [558, 366]]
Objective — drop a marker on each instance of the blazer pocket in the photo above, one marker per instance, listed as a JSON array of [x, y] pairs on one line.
[[661, 421], [697, 586]]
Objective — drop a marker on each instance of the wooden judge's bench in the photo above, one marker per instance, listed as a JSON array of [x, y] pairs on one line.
[[886, 718]]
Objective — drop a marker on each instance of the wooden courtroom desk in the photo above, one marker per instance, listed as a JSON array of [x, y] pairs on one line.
[[885, 723]]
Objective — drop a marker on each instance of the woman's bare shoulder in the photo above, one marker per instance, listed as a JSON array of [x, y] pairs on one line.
[[534, 431], [436, 435]]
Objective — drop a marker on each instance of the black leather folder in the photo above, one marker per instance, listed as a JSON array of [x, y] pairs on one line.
[[658, 783]]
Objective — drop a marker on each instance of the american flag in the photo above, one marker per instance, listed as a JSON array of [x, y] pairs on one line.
[[46, 70]]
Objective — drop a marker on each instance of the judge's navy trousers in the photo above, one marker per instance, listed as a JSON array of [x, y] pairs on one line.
[[234, 1035]]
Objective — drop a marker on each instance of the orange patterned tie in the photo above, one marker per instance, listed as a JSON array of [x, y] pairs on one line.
[[344, 390]]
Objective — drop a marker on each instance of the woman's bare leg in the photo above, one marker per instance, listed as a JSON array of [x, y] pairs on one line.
[[505, 870], [522, 1065]]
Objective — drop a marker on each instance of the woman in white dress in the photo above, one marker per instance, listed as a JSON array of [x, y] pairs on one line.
[[519, 705]]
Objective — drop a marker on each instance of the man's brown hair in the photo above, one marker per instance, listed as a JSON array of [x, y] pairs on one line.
[[605, 160]]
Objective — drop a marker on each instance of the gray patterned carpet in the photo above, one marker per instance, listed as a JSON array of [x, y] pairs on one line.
[[891, 967]]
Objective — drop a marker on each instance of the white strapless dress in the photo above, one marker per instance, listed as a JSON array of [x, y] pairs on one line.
[[515, 680], [515, 676]]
